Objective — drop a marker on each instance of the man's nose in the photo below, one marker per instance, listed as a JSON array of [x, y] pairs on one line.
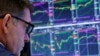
[[26, 39]]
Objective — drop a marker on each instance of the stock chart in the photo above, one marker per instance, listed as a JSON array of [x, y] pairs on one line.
[[88, 42], [64, 37], [86, 6], [64, 43], [67, 41], [38, 45], [62, 12], [40, 13]]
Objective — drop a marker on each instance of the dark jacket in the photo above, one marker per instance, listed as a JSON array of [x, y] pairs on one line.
[[4, 52]]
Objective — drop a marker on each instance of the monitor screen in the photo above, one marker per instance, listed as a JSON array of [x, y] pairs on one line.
[[40, 44], [40, 13], [63, 36], [85, 10], [62, 12], [80, 40]]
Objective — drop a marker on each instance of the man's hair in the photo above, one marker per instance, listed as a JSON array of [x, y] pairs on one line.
[[14, 6]]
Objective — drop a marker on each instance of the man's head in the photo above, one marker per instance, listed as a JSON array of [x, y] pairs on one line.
[[14, 24]]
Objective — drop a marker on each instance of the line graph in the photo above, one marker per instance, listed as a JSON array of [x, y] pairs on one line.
[[63, 6], [64, 42], [85, 9], [40, 44], [40, 13], [81, 4], [88, 38], [80, 38], [62, 11], [68, 6]]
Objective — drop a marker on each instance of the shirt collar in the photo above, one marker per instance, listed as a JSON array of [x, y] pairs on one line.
[[2, 44]]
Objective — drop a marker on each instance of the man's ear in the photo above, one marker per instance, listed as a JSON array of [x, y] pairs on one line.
[[6, 20]]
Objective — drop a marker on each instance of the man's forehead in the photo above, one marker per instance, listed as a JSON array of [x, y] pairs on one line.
[[26, 15]]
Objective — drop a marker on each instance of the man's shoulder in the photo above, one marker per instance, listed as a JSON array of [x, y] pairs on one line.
[[4, 52]]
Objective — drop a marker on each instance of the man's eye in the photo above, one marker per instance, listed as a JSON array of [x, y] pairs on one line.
[[25, 27]]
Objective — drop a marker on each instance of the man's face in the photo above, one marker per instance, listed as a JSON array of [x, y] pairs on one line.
[[22, 35], [17, 36]]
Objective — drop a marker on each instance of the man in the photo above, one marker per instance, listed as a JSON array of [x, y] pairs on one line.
[[14, 26]]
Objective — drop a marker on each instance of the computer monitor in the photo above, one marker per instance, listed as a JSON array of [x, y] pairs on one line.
[[66, 41], [75, 30]]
